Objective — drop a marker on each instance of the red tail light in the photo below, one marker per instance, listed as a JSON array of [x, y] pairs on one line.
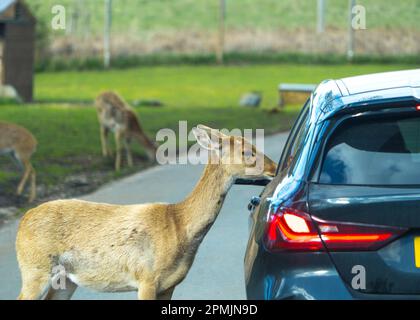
[[290, 229]]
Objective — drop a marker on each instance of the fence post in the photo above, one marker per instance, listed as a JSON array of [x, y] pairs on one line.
[[320, 28], [107, 33], [350, 41], [221, 39]]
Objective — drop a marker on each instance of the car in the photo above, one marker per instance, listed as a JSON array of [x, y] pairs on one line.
[[341, 219]]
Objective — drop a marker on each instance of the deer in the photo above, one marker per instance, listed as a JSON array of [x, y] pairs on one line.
[[148, 248], [21, 144], [114, 114]]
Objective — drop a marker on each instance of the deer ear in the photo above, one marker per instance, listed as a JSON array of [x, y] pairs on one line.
[[204, 140], [214, 133]]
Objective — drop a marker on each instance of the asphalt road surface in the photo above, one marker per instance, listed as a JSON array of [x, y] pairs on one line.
[[217, 272]]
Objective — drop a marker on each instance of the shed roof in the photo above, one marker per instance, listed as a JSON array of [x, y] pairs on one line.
[[5, 4], [15, 11]]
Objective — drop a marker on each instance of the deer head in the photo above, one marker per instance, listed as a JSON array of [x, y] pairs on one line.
[[237, 156]]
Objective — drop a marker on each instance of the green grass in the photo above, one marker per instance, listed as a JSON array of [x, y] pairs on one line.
[[68, 133], [192, 86], [71, 132], [156, 15], [156, 21]]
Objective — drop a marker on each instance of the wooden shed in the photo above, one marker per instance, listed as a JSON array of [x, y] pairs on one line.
[[17, 47]]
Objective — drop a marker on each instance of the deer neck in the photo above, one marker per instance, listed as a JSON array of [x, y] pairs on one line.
[[143, 140], [201, 208]]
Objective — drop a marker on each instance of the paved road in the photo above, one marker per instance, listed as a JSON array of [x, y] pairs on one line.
[[217, 272]]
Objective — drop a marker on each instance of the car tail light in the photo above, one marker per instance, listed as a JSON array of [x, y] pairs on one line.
[[290, 229]]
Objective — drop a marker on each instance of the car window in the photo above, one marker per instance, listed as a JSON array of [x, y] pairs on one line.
[[294, 145], [374, 152]]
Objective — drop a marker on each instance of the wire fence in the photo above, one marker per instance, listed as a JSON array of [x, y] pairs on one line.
[[201, 26]]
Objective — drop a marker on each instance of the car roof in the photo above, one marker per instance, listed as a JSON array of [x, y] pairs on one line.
[[332, 96], [382, 81]]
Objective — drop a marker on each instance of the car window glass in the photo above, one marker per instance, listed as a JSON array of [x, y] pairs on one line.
[[295, 145], [374, 152]]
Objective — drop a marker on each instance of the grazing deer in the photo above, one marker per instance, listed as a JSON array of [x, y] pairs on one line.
[[21, 144], [114, 114], [145, 247]]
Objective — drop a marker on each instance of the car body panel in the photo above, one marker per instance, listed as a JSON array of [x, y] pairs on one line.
[[391, 269], [388, 206]]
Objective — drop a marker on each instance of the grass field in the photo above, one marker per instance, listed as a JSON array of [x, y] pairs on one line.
[[155, 15], [147, 32], [68, 132], [192, 87]]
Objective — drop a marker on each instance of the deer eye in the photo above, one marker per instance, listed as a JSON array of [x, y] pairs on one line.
[[248, 153]]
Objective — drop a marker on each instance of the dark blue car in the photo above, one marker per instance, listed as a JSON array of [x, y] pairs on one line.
[[341, 220]]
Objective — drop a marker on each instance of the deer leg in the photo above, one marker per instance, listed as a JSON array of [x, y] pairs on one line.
[[128, 152], [166, 295], [147, 291], [104, 140], [28, 169], [62, 294], [32, 195], [35, 283], [118, 150], [16, 160]]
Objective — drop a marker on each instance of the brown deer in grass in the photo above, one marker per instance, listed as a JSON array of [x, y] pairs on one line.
[[115, 115], [147, 248], [21, 144]]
